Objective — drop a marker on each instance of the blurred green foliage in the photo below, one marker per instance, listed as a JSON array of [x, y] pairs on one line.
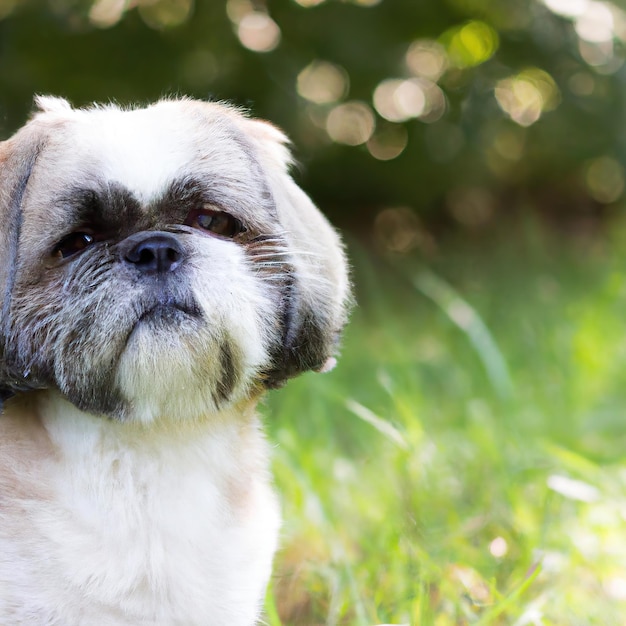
[[458, 111], [418, 490], [464, 462]]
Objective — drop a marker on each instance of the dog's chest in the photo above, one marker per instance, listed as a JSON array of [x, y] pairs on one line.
[[175, 535]]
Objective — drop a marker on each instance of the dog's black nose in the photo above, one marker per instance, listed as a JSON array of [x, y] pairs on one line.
[[153, 252]]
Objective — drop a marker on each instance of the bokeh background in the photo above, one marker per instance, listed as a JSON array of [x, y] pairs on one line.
[[464, 463], [461, 111]]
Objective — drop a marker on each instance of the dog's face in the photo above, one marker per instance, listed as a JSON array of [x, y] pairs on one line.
[[160, 261]]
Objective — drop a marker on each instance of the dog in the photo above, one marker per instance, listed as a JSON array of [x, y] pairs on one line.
[[159, 271]]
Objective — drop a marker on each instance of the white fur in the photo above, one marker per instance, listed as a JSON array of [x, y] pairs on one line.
[[142, 149], [163, 526]]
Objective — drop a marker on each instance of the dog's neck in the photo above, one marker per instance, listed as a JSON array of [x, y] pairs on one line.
[[159, 512], [85, 451], [72, 430]]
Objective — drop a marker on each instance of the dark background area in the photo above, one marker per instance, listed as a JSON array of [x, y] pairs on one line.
[[409, 118]]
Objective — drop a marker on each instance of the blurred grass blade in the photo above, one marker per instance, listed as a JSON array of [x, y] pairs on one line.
[[573, 461], [382, 426], [467, 319], [271, 612], [511, 600]]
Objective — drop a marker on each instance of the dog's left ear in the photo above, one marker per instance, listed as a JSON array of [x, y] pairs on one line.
[[17, 160], [317, 292]]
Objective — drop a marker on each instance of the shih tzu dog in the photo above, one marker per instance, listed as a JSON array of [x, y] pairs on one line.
[[159, 270]]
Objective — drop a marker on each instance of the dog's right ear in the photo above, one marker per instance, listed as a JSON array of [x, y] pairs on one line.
[[17, 160]]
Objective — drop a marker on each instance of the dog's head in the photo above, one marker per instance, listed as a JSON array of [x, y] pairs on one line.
[[160, 260]]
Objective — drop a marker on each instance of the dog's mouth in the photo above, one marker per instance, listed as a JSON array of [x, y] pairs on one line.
[[168, 313], [165, 313]]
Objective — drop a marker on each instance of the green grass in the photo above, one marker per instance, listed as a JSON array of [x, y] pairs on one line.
[[464, 463]]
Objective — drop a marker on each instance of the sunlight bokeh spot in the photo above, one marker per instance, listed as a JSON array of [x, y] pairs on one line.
[[471, 44], [509, 143], [616, 588], [600, 55], [258, 32], [388, 142], [344, 470], [436, 102], [426, 58], [166, 13], [6, 8], [471, 583], [605, 179], [567, 8], [237, 9], [351, 123], [366, 3], [104, 13], [525, 96], [596, 23], [322, 82], [498, 547], [573, 489], [398, 100], [472, 207], [520, 99], [309, 3], [409, 99], [397, 229]]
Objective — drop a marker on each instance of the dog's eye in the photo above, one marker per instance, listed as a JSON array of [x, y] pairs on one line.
[[214, 221], [72, 244]]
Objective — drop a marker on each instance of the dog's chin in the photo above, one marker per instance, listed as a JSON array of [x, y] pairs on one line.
[[176, 367]]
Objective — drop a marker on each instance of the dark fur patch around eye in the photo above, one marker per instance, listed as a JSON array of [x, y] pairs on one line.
[[181, 196], [109, 210]]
